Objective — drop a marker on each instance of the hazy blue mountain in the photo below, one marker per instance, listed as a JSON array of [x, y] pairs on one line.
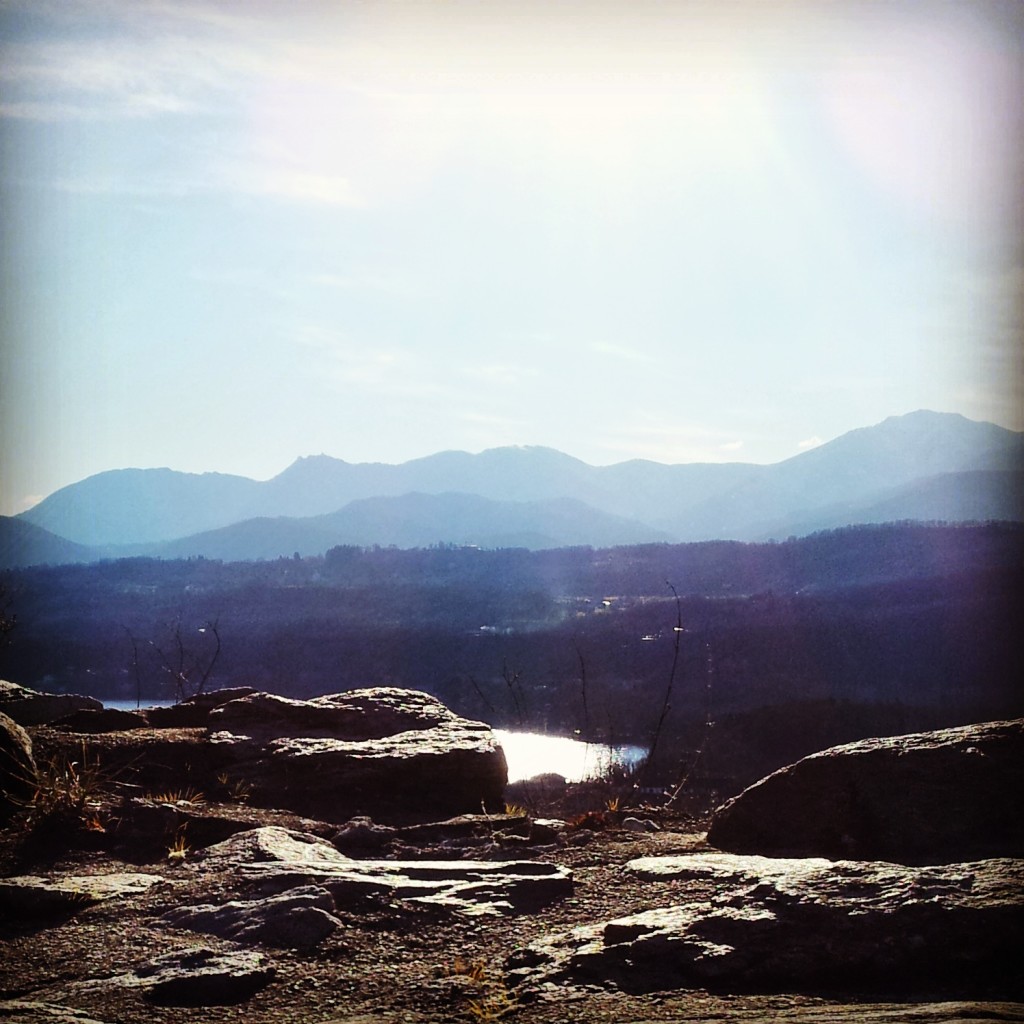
[[976, 495], [131, 506], [848, 475], [417, 520], [835, 484], [23, 543]]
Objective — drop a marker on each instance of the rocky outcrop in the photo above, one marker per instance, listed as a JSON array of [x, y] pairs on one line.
[[17, 766], [382, 750], [763, 924], [391, 752], [28, 707], [194, 711], [932, 797]]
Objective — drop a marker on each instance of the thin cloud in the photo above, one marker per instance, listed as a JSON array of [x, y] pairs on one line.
[[810, 442], [621, 352]]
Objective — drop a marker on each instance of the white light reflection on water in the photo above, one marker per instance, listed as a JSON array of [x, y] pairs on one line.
[[531, 753]]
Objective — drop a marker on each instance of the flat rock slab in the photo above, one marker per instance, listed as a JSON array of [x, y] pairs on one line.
[[35, 896], [859, 1013], [275, 860], [802, 925], [473, 888], [29, 1011], [296, 919], [201, 977]]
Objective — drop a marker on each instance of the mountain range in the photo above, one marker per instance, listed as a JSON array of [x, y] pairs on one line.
[[923, 466]]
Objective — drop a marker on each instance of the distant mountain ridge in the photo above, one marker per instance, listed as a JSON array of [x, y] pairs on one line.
[[923, 465]]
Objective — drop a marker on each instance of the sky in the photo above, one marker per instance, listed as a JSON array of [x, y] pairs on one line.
[[234, 234]]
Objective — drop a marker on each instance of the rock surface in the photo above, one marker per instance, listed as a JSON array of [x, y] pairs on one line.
[[104, 720], [949, 795], [275, 860], [31, 1011], [202, 977], [33, 895], [297, 919], [381, 750], [800, 925], [29, 707], [17, 766]]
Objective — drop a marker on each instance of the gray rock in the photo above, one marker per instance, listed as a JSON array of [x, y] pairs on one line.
[[275, 860], [33, 896], [30, 1011], [296, 919], [944, 796], [471, 888], [382, 750], [29, 707], [202, 977], [361, 834], [271, 843], [799, 925], [17, 767]]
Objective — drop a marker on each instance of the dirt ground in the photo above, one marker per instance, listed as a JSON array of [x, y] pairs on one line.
[[391, 963]]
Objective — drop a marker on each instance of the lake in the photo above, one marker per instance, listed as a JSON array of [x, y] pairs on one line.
[[527, 753]]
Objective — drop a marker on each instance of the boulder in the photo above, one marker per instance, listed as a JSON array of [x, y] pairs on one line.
[[932, 797], [17, 766], [28, 707], [383, 750], [778, 925]]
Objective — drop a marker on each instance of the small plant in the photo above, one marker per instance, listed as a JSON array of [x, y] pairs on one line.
[[236, 789], [178, 850], [188, 795], [516, 811], [487, 998], [65, 790], [612, 803]]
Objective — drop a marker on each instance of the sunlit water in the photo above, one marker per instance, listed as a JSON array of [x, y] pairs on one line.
[[527, 753], [531, 753]]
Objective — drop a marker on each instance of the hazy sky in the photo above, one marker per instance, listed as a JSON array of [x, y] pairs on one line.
[[236, 233]]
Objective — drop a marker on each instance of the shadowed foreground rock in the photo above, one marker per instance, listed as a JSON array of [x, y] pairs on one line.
[[777, 925], [17, 766], [933, 797]]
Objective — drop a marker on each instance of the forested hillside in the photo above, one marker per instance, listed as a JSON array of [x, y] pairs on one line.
[[915, 618]]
